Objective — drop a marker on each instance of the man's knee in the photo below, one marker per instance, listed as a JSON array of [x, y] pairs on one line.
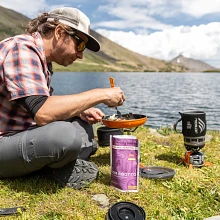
[[65, 136]]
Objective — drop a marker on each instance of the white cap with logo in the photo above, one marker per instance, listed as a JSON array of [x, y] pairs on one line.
[[76, 19]]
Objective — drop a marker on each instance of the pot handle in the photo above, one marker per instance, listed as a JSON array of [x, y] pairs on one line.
[[175, 125]]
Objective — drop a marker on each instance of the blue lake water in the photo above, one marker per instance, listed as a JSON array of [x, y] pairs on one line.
[[159, 96]]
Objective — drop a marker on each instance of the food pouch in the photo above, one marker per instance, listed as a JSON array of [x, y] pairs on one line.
[[124, 157]]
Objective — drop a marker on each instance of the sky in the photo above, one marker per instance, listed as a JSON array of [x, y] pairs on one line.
[[161, 29]]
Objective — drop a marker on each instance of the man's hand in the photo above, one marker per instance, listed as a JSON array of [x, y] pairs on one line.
[[115, 96], [92, 115]]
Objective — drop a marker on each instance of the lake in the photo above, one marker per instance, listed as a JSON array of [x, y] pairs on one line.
[[159, 96]]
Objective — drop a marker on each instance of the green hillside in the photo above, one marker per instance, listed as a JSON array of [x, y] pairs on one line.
[[11, 23], [112, 57]]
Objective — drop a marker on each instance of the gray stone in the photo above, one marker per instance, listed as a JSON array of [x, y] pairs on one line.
[[208, 138], [102, 199], [217, 217], [156, 134]]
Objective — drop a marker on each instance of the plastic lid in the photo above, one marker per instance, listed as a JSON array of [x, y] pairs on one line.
[[125, 211], [154, 172]]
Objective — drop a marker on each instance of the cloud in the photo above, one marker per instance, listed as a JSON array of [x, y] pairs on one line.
[[26, 7], [147, 23], [197, 42], [199, 8], [29, 8], [129, 15], [153, 14], [165, 8]]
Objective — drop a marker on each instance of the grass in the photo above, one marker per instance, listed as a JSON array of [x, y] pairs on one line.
[[192, 193]]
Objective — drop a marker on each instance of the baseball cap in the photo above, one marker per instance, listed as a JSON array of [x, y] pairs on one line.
[[76, 19]]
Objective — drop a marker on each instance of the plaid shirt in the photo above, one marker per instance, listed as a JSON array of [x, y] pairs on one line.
[[23, 72]]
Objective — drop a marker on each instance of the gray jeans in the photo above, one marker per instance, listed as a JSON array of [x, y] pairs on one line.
[[53, 145]]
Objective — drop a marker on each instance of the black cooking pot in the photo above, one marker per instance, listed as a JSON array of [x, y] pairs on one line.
[[104, 134]]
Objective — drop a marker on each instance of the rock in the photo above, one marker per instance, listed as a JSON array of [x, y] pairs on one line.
[[102, 199], [156, 134], [217, 217], [208, 138]]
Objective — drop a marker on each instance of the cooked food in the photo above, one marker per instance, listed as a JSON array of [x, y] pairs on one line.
[[112, 117], [120, 118]]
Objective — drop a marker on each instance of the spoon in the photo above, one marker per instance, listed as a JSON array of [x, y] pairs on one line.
[[112, 83]]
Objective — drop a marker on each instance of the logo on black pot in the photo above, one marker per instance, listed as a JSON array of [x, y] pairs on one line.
[[189, 126], [199, 125]]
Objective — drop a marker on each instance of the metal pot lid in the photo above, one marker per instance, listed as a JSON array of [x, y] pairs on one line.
[[154, 172], [125, 211]]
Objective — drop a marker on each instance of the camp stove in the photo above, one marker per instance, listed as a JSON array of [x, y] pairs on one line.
[[193, 156], [195, 159], [194, 131]]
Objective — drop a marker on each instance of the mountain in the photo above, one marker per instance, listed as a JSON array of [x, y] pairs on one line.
[[11, 23], [112, 57], [192, 65], [118, 58]]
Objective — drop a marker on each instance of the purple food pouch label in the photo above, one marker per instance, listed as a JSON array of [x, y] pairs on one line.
[[124, 162]]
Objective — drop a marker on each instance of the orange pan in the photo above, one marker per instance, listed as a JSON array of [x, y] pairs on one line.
[[125, 122]]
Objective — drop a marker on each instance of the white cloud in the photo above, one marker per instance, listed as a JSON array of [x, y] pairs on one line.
[[164, 8], [130, 14], [198, 42], [133, 23], [150, 13], [29, 8], [26, 7], [199, 8]]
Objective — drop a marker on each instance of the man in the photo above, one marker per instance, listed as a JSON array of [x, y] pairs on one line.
[[38, 130]]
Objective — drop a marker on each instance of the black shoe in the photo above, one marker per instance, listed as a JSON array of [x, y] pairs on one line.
[[76, 174]]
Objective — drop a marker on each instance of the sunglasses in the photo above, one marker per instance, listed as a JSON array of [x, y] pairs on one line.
[[81, 43]]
